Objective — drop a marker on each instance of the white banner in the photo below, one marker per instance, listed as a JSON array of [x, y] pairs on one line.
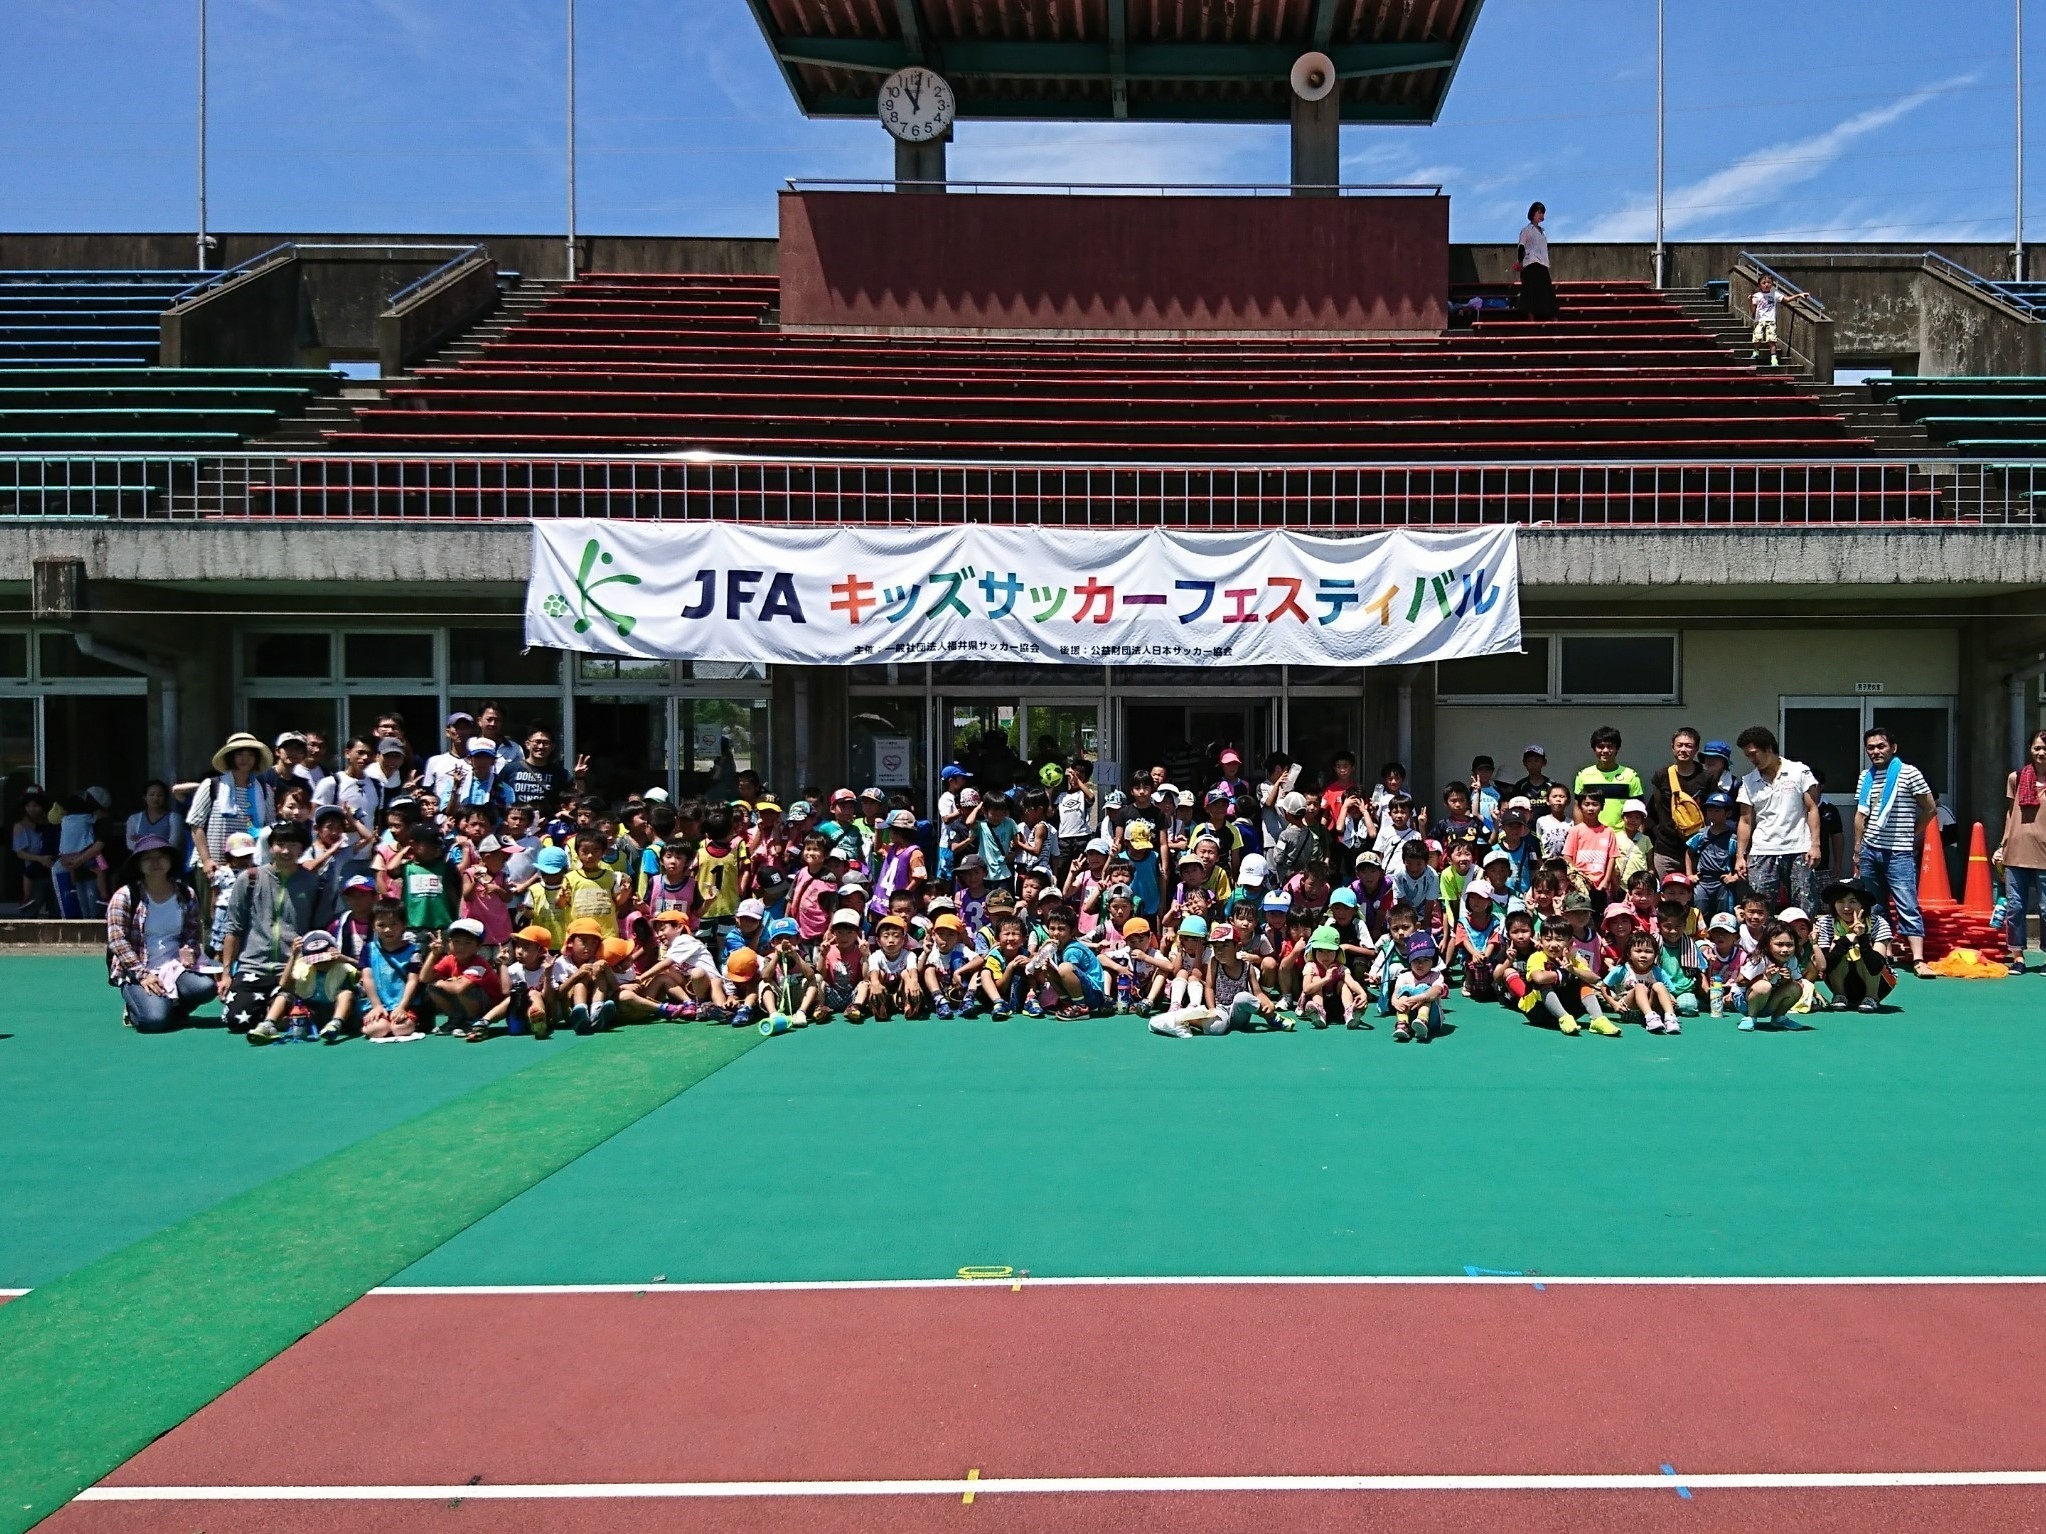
[[851, 595]]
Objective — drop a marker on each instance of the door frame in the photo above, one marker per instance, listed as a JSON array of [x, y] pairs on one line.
[[1868, 703]]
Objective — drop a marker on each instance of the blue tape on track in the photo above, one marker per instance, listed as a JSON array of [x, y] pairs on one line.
[[1682, 1491]]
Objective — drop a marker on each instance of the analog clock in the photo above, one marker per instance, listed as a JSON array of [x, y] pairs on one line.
[[917, 106]]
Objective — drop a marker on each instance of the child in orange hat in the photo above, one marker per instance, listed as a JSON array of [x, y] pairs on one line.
[[589, 987], [531, 1004], [684, 982]]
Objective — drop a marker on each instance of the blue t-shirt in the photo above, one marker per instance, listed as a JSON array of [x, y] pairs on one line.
[[1417, 890], [1145, 894], [388, 972], [1715, 854], [1085, 963]]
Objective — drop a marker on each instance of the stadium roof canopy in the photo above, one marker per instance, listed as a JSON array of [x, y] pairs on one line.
[[1149, 60]]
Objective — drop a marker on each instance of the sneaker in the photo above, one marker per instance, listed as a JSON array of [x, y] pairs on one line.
[[671, 1012], [605, 1018], [1400, 1035], [1002, 1013], [1745, 1025], [1671, 1025], [2017, 965], [1605, 1027], [1420, 1029], [714, 1014], [540, 1029], [942, 1011], [1790, 1024], [1869, 1006], [1566, 1024], [264, 1032], [1286, 1021], [1839, 1004], [331, 1034], [742, 1017], [855, 1015], [578, 1018], [1033, 1008]]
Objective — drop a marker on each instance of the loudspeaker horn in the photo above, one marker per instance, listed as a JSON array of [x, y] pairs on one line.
[[1313, 76]]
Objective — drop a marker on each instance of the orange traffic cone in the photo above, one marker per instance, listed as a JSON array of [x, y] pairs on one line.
[[1980, 897], [1934, 890]]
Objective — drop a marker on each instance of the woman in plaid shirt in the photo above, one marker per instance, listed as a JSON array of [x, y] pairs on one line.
[[153, 939]]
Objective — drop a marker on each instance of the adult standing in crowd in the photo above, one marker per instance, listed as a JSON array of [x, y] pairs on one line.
[[158, 817], [35, 849], [354, 790], [269, 908], [1676, 803], [153, 940], [1606, 780], [2022, 851], [1779, 844], [1892, 806], [539, 778], [233, 799], [1537, 292]]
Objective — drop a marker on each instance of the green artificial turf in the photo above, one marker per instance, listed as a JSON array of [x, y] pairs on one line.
[[101, 1361], [107, 1135], [1902, 1144]]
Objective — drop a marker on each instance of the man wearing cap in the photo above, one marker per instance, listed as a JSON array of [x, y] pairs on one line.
[[288, 765], [478, 782], [1676, 803], [269, 908], [444, 766], [1533, 785]]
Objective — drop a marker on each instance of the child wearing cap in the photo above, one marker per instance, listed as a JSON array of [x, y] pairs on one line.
[[354, 928], [1683, 972], [1125, 949], [788, 980], [742, 984], [545, 896], [686, 977], [950, 965], [1637, 848], [461, 984], [1853, 939], [528, 974], [1329, 993], [1711, 853], [316, 992], [1721, 956], [1417, 1004], [1477, 941], [1146, 891], [1637, 988], [486, 896], [1184, 982], [588, 988]]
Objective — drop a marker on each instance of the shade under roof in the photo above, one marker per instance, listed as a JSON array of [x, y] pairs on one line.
[[1146, 60]]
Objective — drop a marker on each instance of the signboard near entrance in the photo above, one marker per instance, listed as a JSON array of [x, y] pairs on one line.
[[831, 596], [891, 761]]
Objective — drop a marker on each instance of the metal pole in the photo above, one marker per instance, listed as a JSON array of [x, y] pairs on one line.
[[571, 140], [202, 136], [2017, 261], [1659, 252]]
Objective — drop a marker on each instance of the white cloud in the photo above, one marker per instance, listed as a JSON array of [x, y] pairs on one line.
[[1146, 154], [1757, 178]]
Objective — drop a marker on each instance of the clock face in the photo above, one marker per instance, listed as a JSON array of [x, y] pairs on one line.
[[917, 106]]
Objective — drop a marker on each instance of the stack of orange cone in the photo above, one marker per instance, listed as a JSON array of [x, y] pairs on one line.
[[1968, 922]]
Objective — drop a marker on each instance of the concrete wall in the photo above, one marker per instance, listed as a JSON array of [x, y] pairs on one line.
[[1964, 334], [1732, 675], [254, 321], [1368, 264], [532, 254]]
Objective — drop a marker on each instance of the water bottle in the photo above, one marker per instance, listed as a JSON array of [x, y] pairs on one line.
[[1718, 1003]]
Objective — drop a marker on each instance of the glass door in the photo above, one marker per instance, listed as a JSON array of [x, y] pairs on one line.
[[719, 739], [1188, 739], [1826, 735], [1062, 731], [628, 739], [985, 736], [886, 746]]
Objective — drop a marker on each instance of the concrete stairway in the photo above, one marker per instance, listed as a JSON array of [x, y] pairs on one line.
[[1893, 436]]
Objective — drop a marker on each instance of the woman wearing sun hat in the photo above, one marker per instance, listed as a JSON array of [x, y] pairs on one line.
[[234, 799], [153, 940]]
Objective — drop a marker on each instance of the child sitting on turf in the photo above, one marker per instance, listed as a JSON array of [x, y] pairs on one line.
[[1128, 960], [1720, 957], [1002, 980], [461, 984], [1184, 982], [1239, 1000], [1417, 1005], [1771, 979], [390, 977], [1076, 974], [1562, 988], [1854, 947], [1329, 993], [1477, 941], [1509, 975], [1390, 958], [788, 980], [950, 965], [841, 964], [1677, 958], [588, 987], [316, 992], [891, 986], [1636, 986], [742, 984], [528, 976], [686, 976]]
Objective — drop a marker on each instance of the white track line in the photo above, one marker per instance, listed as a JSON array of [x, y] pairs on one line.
[[1249, 1280], [1881, 1480]]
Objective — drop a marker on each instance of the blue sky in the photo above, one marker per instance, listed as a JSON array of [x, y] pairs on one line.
[[1827, 119]]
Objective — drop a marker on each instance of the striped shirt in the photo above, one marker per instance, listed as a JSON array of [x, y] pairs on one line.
[[1899, 832]]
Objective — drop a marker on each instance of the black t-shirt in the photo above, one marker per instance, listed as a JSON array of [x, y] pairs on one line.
[[545, 786], [1663, 834]]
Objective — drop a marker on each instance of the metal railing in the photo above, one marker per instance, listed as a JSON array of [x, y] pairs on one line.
[[1335, 497], [1142, 188]]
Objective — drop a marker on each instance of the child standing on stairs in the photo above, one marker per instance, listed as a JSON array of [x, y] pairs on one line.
[[1763, 302]]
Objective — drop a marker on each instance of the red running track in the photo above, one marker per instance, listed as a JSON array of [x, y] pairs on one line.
[[877, 1384]]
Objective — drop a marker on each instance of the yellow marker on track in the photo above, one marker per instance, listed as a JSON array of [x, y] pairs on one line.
[[988, 1272], [971, 1475]]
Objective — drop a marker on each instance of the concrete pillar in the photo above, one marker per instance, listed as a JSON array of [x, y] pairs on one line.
[[1317, 145], [919, 162]]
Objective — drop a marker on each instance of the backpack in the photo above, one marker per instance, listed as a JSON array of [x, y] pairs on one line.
[[1686, 814]]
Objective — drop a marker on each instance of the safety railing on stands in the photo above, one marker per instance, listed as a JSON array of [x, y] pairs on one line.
[[413, 489]]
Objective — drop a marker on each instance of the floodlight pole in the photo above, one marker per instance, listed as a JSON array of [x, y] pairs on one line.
[[202, 136], [2017, 254], [571, 140], [1660, 253]]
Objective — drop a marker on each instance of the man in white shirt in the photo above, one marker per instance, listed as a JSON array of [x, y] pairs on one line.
[[444, 767], [355, 790], [1779, 849]]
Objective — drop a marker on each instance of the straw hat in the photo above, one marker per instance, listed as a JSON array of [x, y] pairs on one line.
[[242, 740]]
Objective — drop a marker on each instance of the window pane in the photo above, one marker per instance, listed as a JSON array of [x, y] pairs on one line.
[[288, 655], [626, 740], [416, 710], [380, 655], [499, 658], [60, 656], [268, 718], [1498, 676], [1619, 666], [91, 741], [17, 771], [13, 655], [1827, 739], [725, 670], [608, 668], [877, 720]]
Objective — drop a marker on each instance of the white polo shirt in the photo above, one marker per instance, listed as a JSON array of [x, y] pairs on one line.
[[1781, 829]]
